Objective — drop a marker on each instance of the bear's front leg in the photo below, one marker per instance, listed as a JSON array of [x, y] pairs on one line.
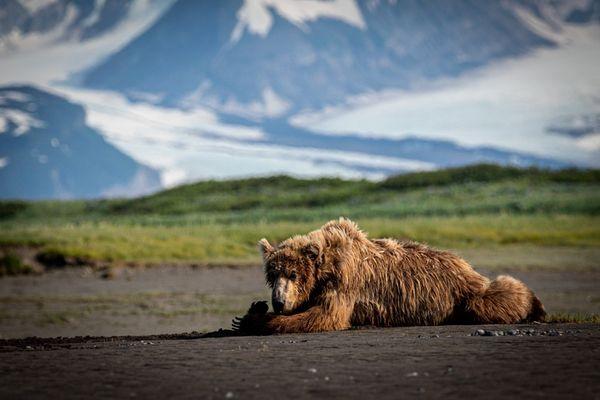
[[255, 320], [329, 316], [319, 318]]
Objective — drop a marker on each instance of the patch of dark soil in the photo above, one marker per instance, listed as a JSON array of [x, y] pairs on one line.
[[35, 342], [425, 362]]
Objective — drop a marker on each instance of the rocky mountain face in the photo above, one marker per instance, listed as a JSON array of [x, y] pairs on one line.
[[74, 19], [48, 151], [257, 64], [200, 52], [436, 153]]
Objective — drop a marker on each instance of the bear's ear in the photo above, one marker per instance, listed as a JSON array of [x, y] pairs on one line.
[[265, 247], [312, 251]]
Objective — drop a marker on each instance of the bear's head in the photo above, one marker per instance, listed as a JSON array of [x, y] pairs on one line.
[[300, 267], [291, 271]]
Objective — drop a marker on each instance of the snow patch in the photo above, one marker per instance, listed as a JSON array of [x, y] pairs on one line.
[[173, 176], [589, 143], [40, 60], [507, 105], [13, 95], [23, 121], [95, 14], [34, 6], [16, 40], [112, 112], [141, 183], [548, 28], [187, 159], [255, 15], [193, 144], [270, 104], [273, 104], [3, 162]]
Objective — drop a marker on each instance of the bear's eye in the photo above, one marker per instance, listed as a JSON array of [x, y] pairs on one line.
[[293, 276], [271, 278]]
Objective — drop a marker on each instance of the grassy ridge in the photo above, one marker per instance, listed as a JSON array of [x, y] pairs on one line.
[[220, 221], [473, 189], [237, 242]]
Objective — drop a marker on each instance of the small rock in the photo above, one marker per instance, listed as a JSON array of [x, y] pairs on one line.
[[229, 395], [412, 374], [490, 333], [312, 370], [480, 332], [326, 378]]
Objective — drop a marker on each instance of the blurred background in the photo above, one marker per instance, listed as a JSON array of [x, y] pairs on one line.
[[147, 145]]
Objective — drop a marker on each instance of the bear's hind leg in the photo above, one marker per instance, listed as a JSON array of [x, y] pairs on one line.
[[505, 301]]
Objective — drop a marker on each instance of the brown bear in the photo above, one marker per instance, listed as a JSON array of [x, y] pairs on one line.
[[336, 277]]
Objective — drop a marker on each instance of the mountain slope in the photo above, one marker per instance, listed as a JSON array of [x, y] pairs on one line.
[[65, 19], [438, 153], [195, 54], [48, 151]]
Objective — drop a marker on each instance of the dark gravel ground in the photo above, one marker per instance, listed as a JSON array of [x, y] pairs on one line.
[[529, 361]]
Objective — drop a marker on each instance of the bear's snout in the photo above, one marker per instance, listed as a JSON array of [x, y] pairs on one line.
[[277, 305], [283, 297]]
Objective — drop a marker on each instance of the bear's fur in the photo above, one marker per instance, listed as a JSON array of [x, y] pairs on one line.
[[336, 277]]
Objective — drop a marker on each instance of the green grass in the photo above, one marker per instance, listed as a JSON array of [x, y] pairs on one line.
[[573, 318], [221, 221], [237, 242], [11, 264], [71, 309]]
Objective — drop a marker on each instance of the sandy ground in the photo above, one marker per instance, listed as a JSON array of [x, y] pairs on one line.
[[534, 361], [539, 361], [77, 301]]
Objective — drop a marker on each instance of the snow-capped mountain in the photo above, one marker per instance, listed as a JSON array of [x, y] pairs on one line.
[[435, 153], [269, 58], [201, 89], [58, 20], [33, 24], [48, 151]]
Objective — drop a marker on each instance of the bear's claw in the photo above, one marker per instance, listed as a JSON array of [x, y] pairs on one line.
[[257, 310], [236, 323], [259, 307]]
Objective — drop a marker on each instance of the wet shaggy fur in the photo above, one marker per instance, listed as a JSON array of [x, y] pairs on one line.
[[341, 278]]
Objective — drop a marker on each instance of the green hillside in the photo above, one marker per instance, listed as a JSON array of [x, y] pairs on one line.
[[220, 221]]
